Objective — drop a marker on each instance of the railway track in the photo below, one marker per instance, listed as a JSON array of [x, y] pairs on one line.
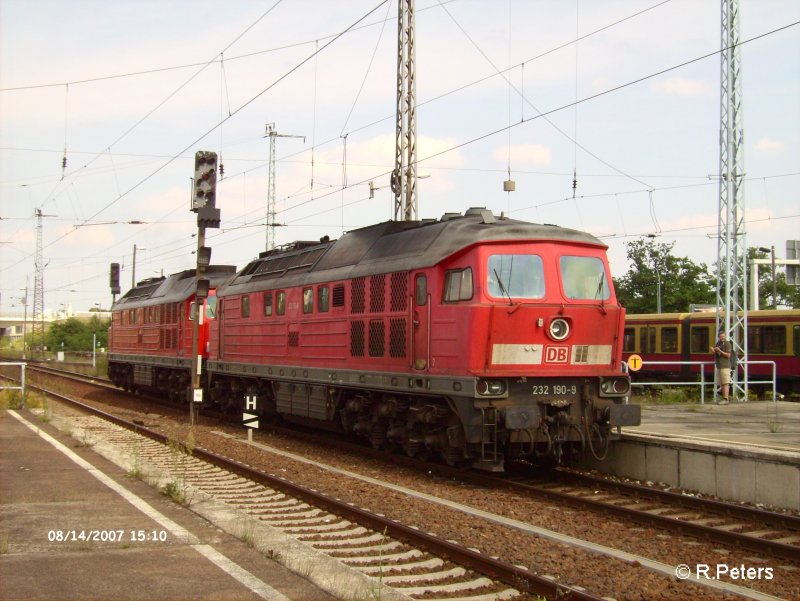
[[758, 530], [410, 561]]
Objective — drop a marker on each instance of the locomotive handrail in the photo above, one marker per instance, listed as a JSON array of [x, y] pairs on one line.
[[702, 382]]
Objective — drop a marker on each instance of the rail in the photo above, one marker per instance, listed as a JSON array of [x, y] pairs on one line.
[[21, 386], [702, 382]]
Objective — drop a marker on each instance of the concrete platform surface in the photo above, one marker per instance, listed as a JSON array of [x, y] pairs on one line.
[[74, 526], [774, 425]]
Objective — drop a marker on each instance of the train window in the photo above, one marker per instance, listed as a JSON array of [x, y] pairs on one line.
[[323, 298], [515, 276], [669, 340], [796, 341], [768, 340], [245, 306], [267, 304], [629, 340], [281, 302], [308, 300], [458, 285], [211, 307], [584, 278], [700, 339], [421, 284], [647, 339]]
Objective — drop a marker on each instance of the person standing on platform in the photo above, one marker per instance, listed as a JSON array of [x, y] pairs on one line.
[[722, 353]]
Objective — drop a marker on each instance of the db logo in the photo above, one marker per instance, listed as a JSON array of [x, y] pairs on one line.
[[556, 354]]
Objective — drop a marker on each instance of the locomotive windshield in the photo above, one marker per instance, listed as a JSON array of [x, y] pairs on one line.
[[584, 278], [516, 276]]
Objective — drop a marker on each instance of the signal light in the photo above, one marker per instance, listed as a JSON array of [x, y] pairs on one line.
[[205, 180], [203, 287], [204, 256], [114, 278]]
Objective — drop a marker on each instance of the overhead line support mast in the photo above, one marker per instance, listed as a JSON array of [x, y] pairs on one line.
[[404, 176], [731, 242]]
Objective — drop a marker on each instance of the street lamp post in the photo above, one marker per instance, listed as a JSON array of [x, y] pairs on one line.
[[771, 251]]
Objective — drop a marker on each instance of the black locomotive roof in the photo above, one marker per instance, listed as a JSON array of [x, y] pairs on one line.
[[177, 287], [392, 246]]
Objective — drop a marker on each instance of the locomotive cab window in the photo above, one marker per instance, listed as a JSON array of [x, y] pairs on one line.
[[515, 276], [281, 302], [308, 300], [323, 299], [211, 307], [245, 306], [267, 304], [584, 278], [458, 285], [421, 285]]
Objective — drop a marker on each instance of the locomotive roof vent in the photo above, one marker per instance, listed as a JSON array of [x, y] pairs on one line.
[[482, 212], [449, 216]]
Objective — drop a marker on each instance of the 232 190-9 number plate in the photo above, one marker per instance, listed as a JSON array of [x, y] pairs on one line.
[[553, 389]]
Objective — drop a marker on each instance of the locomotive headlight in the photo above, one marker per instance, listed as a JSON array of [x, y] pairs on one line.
[[559, 329], [490, 387], [614, 386]]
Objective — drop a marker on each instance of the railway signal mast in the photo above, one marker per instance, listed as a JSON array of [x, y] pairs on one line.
[[731, 243], [404, 176]]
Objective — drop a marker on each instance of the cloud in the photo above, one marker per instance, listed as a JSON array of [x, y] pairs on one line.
[[682, 87], [524, 154], [768, 146]]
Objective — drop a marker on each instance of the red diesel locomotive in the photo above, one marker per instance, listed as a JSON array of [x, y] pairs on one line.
[[150, 339], [473, 338]]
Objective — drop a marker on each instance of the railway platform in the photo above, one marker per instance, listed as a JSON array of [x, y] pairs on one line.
[[74, 526], [746, 452]]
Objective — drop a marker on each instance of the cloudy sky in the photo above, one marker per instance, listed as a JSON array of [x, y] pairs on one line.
[[624, 93]]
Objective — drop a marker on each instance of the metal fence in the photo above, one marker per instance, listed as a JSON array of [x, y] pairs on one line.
[[21, 386], [702, 383]]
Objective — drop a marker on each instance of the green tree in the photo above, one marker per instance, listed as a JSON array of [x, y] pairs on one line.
[[76, 334], [682, 282]]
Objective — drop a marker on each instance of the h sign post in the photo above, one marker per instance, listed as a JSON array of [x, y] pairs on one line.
[[250, 420]]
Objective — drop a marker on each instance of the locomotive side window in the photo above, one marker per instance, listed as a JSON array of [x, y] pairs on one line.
[[308, 300], [700, 339], [458, 285], [421, 285], [323, 298], [669, 340], [796, 341], [629, 340], [281, 302], [584, 278], [267, 304], [211, 307], [245, 306], [515, 276]]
